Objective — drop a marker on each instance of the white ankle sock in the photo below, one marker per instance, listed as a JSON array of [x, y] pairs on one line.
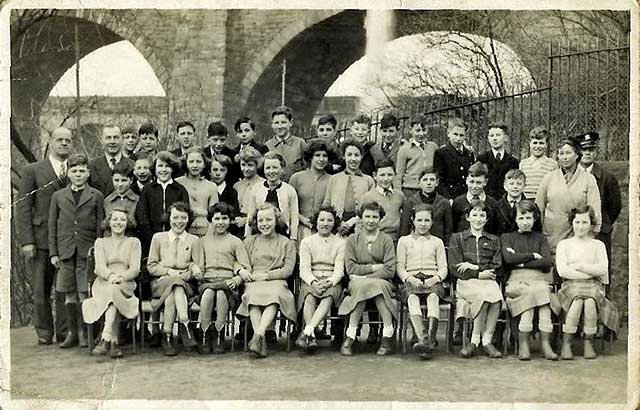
[[387, 331], [308, 330], [351, 332]]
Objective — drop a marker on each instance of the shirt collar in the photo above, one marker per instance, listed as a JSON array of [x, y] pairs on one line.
[[114, 196], [589, 169], [383, 191], [358, 173], [117, 157], [56, 164], [173, 236], [165, 184], [417, 143], [483, 197], [466, 234], [496, 152], [221, 187], [266, 185], [280, 141]]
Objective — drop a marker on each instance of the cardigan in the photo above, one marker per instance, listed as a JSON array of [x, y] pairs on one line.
[[556, 199], [221, 256], [337, 188], [535, 170], [121, 257], [358, 259], [412, 160], [241, 188], [287, 202], [167, 253], [311, 189], [75, 226], [483, 251], [322, 258], [524, 244], [424, 254], [274, 255], [441, 216]]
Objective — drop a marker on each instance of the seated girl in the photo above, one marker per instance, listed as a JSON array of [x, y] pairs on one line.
[[202, 192], [582, 263], [220, 256], [171, 264], [117, 265], [321, 270], [422, 266], [370, 262], [272, 257], [475, 260], [527, 255]]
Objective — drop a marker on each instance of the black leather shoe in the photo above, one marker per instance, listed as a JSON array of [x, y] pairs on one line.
[[386, 346], [457, 338], [312, 344], [45, 340], [347, 347], [101, 348], [270, 336], [168, 345], [115, 351], [186, 335]]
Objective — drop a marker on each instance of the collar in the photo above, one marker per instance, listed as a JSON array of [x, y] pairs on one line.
[[173, 236], [502, 152], [483, 197], [266, 185], [221, 187], [466, 234], [117, 157], [429, 197], [113, 196], [417, 237], [74, 189], [384, 191], [589, 169], [55, 163], [358, 173], [462, 150], [283, 141], [165, 184], [415, 142]]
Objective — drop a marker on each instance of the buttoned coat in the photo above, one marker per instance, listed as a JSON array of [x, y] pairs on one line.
[[75, 226], [497, 171], [610, 197], [452, 168]]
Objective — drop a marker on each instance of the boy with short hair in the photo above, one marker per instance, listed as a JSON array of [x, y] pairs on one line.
[[122, 196], [390, 199], [498, 160], [141, 172], [414, 157], [390, 144], [538, 164], [129, 142], [452, 161], [148, 139], [442, 219], [75, 221], [245, 130], [476, 183], [327, 130], [289, 146], [217, 145], [505, 212], [360, 130], [185, 134]]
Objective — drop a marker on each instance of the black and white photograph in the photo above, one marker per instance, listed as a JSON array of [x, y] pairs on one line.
[[314, 205]]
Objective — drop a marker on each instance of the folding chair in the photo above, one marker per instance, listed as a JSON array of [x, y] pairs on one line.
[[91, 276], [446, 304]]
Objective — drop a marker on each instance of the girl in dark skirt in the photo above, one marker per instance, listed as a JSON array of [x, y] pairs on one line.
[[221, 257], [582, 263], [370, 261], [272, 258], [321, 270], [172, 265], [422, 266]]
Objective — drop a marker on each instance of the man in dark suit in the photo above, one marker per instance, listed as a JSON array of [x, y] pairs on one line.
[[452, 161], [100, 168], [610, 197], [498, 160], [38, 183], [185, 132]]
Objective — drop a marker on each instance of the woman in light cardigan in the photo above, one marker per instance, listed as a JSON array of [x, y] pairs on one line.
[[274, 191]]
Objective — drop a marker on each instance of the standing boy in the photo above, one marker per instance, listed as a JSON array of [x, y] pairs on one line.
[[505, 212], [141, 172], [414, 157], [327, 131], [476, 182], [289, 146], [498, 160], [129, 142], [360, 130], [75, 218], [390, 144], [122, 196], [538, 165], [442, 219], [452, 161], [101, 167], [185, 133], [148, 139], [217, 145]]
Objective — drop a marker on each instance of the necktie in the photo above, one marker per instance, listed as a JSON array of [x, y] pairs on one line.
[[512, 203], [63, 171], [499, 156], [475, 198], [387, 192], [112, 162]]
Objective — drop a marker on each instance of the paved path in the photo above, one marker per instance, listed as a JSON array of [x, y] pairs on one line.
[[52, 373]]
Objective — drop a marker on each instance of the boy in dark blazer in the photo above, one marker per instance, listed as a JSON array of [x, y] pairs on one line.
[[452, 161], [101, 167], [388, 147], [505, 212], [476, 183], [497, 159], [75, 221]]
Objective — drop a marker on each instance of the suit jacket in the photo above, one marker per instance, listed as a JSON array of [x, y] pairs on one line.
[[233, 174], [183, 165], [75, 226], [505, 218], [37, 184], [378, 155], [452, 168], [100, 173], [609, 197], [497, 171]]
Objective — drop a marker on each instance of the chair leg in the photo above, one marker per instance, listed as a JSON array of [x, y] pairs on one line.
[[246, 329], [403, 333], [133, 334], [450, 326], [288, 325], [89, 327]]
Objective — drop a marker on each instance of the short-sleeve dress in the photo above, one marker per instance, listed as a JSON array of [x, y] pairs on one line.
[[591, 252], [274, 255], [321, 258], [359, 254], [120, 256]]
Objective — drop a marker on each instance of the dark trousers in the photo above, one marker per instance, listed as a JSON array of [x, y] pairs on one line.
[[43, 277], [606, 239]]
